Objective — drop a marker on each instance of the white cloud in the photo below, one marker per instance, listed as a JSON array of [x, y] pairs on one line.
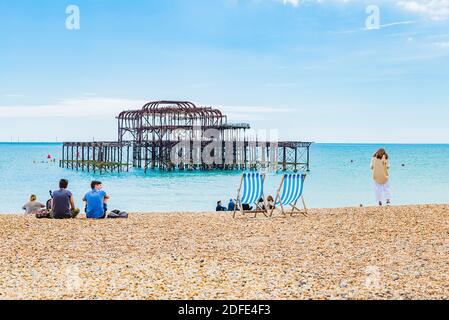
[[111, 107], [11, 95], [398, 23], [442, 44], [251, 109], [382, 26], [79, 107], [250, 113], [435, 9], [294, 3]]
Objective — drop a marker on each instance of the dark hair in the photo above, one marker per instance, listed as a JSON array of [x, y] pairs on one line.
[[218, 202], [63, 183], [94, 184], [380, 154]]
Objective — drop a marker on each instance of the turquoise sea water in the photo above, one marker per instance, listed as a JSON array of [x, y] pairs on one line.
[[333, 181]]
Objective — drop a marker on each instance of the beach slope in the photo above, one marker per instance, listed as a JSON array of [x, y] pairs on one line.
[[351, 253]]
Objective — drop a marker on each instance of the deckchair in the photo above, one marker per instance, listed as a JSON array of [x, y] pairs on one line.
[[290, 192], [251, 190]]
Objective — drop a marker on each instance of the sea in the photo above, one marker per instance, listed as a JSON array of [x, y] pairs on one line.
[[339, 176]]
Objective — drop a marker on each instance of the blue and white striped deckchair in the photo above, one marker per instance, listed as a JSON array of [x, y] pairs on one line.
[[251, 190], [289, 193]]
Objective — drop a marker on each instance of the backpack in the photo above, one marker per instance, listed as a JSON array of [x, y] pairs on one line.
[[43, 214], [48, 204], [117, 214]]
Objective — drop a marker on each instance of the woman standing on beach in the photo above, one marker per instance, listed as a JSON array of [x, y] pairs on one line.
[[380, 166]]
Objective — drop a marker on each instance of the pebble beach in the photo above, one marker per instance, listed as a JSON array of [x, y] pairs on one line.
[[350, 253]]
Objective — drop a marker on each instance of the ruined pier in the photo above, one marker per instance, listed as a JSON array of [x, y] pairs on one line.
[[177, 135]]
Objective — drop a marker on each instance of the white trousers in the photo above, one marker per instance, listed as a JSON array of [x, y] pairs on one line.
[[382, 191]]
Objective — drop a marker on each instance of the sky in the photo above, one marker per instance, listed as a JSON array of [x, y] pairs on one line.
[[316, 70]]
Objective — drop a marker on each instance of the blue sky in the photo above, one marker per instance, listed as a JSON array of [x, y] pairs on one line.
[[310, 69]]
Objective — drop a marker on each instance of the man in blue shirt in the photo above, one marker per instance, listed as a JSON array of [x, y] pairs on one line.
[[96, 201]]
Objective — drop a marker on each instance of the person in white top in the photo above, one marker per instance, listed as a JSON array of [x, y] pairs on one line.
[[32, 206]]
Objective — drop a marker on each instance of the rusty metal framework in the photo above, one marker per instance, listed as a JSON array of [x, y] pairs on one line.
[[154, 132]]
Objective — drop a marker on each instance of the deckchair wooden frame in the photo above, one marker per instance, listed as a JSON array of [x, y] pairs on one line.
[[294, 205], [259, 209]]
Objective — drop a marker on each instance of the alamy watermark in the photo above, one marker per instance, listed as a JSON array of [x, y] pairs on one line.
[[373, 278], [214, 147], [372, 22], [73, 19]]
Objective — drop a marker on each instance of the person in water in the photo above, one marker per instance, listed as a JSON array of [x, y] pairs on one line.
[[220, 207], [32, 206], [63, 203], [379, 167], [96, 201]]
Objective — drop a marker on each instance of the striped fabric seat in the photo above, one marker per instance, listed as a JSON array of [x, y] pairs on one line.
[[252, 191], [293, 186], [289, 193]]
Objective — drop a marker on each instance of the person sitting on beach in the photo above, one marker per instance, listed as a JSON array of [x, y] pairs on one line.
[[270, 203], [220, 207], [32, 206], [96, 201], [231, 205], [63, 204]]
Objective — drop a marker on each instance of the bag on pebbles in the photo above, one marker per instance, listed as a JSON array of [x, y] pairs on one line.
[[117, 214]]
